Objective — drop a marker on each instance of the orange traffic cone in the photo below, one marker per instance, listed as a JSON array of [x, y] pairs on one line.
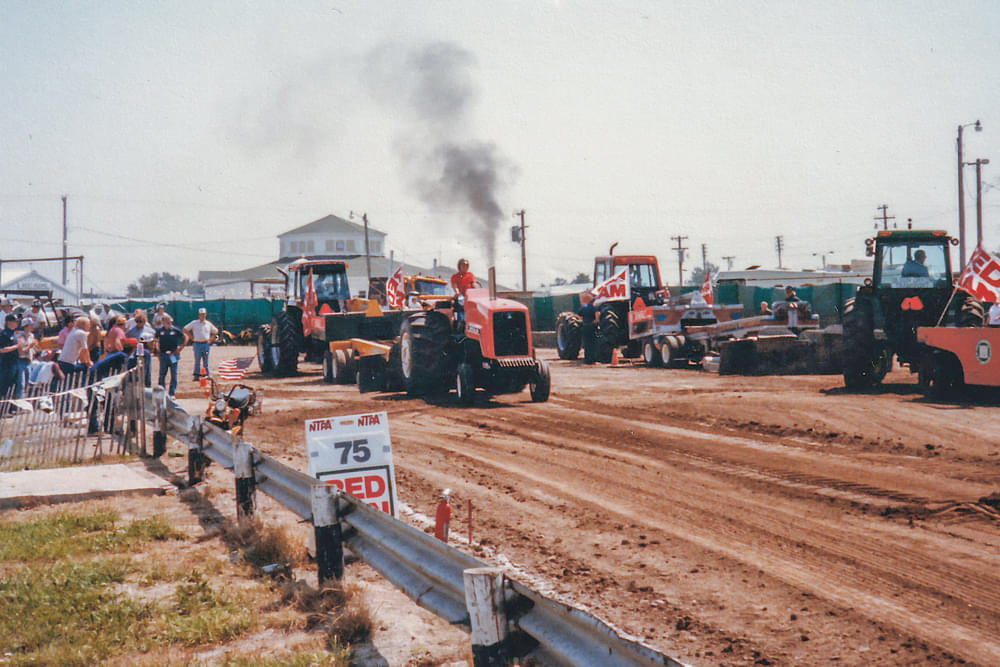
[[614, 356], [203, 381], [442, 517]]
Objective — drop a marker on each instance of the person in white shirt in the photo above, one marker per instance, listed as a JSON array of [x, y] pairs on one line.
[[994, 315], [200, 333]]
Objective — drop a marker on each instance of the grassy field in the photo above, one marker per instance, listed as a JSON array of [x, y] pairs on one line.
[[87, 586]]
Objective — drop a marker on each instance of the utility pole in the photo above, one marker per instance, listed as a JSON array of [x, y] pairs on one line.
[[729, 261], [704, 257], [779, 243], [979, 198], [64, 240], [680, 259], [961, 194], [884, 218], [368, 256], [524, 261]]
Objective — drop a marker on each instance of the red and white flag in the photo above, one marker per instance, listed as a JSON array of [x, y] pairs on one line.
[[706, 288], [614, 288], [981, 277], [394, 294], [233, 370]]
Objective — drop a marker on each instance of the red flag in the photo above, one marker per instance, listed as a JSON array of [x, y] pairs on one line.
[[394, 294], [706, 288], [309, 305], [981, 277]]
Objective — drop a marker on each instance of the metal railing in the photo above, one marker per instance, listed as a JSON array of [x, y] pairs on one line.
[[429, 571]]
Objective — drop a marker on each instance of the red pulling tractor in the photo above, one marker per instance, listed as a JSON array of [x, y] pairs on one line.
[[482, 342]]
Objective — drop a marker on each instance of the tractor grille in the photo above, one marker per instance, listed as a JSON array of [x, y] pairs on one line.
[[517, 362], [510, 333]]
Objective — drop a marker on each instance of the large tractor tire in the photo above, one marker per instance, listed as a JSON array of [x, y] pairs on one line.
[[394, 370], [285, 337], [971, 313], [569, 335], [264, 359], [609, 334], [940, 375], [328, 361], [864, 362], [424, 354]]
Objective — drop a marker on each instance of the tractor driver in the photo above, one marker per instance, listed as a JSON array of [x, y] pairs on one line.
[[463, 279], [914, 268]]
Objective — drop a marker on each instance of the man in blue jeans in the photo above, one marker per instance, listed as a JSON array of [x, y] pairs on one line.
[[200, 333], [169, 343]]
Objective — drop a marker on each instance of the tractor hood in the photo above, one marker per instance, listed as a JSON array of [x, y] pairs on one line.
[[479, 299]]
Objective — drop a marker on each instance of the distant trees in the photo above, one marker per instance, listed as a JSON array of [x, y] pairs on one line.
[[579, 278], [698, 273], [155, 284]]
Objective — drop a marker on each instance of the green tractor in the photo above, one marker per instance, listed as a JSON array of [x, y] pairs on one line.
[[911, 286]]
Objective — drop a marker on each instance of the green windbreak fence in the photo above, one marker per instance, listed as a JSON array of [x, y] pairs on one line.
[[233, 315]]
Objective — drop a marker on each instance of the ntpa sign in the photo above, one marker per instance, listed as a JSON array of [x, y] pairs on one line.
[[354, 453]]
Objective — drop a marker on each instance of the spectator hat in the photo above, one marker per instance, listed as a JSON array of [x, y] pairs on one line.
[[27, 322], [36, 302], [11, 317], [202, 311]]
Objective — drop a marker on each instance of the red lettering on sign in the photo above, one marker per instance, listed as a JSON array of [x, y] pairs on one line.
[[362, 486], [320, 425], [368, 420]]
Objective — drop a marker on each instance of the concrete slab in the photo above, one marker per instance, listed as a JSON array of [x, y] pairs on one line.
[[59, 485]]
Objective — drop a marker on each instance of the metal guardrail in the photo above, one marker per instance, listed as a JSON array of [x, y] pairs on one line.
[[425, 568]]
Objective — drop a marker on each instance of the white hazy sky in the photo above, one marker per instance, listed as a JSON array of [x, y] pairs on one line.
[[187, 135]]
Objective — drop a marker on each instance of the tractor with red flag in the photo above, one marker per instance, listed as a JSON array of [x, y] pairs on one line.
[[911, 288]]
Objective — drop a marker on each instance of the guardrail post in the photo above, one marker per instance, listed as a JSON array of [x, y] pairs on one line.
[[160, 430], [197, 461], [484, 598], [329, 541], [246, 483]]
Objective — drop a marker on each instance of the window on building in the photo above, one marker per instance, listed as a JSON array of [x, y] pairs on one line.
[[350, 245], [312, 247], [293, 247], [329, 244], [375, 247], [340, 246]]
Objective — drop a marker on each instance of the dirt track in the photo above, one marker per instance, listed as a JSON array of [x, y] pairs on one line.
[[722, 520]]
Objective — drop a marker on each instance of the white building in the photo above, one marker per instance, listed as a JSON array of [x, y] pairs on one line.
[[329, 237], [32, 282]]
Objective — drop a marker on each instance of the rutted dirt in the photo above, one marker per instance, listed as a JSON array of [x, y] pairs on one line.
[[721, 520]]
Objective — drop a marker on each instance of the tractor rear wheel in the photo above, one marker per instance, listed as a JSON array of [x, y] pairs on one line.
[[864, 365], [609, 334], [541, 383], [264, 359], [971, 313], [340, 368], [424, 342], [569, 335], [285, 337]]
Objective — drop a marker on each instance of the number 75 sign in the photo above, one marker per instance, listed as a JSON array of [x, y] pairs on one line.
[[355, 454]]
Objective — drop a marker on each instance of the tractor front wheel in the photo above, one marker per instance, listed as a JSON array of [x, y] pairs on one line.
[[650, 354], [541, 384], [465, 384], [609, 334], [264, 349]]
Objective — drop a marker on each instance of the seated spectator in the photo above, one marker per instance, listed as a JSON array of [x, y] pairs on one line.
[[75, 355], [114, 349], [143, 334], [94, 336]]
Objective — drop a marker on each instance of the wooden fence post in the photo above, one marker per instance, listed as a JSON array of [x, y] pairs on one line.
[[160, 429], [246, 483], [484, 598], [329, 540]]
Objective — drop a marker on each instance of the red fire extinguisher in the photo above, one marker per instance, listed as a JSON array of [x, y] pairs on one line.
[[443, 516]]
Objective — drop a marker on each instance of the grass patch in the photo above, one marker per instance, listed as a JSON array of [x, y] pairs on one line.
[[66, 534]]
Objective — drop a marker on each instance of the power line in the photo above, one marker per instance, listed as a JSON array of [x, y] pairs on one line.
[[680, 258]]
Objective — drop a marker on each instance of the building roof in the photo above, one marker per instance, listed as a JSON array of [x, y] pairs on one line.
[[328, 224]]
